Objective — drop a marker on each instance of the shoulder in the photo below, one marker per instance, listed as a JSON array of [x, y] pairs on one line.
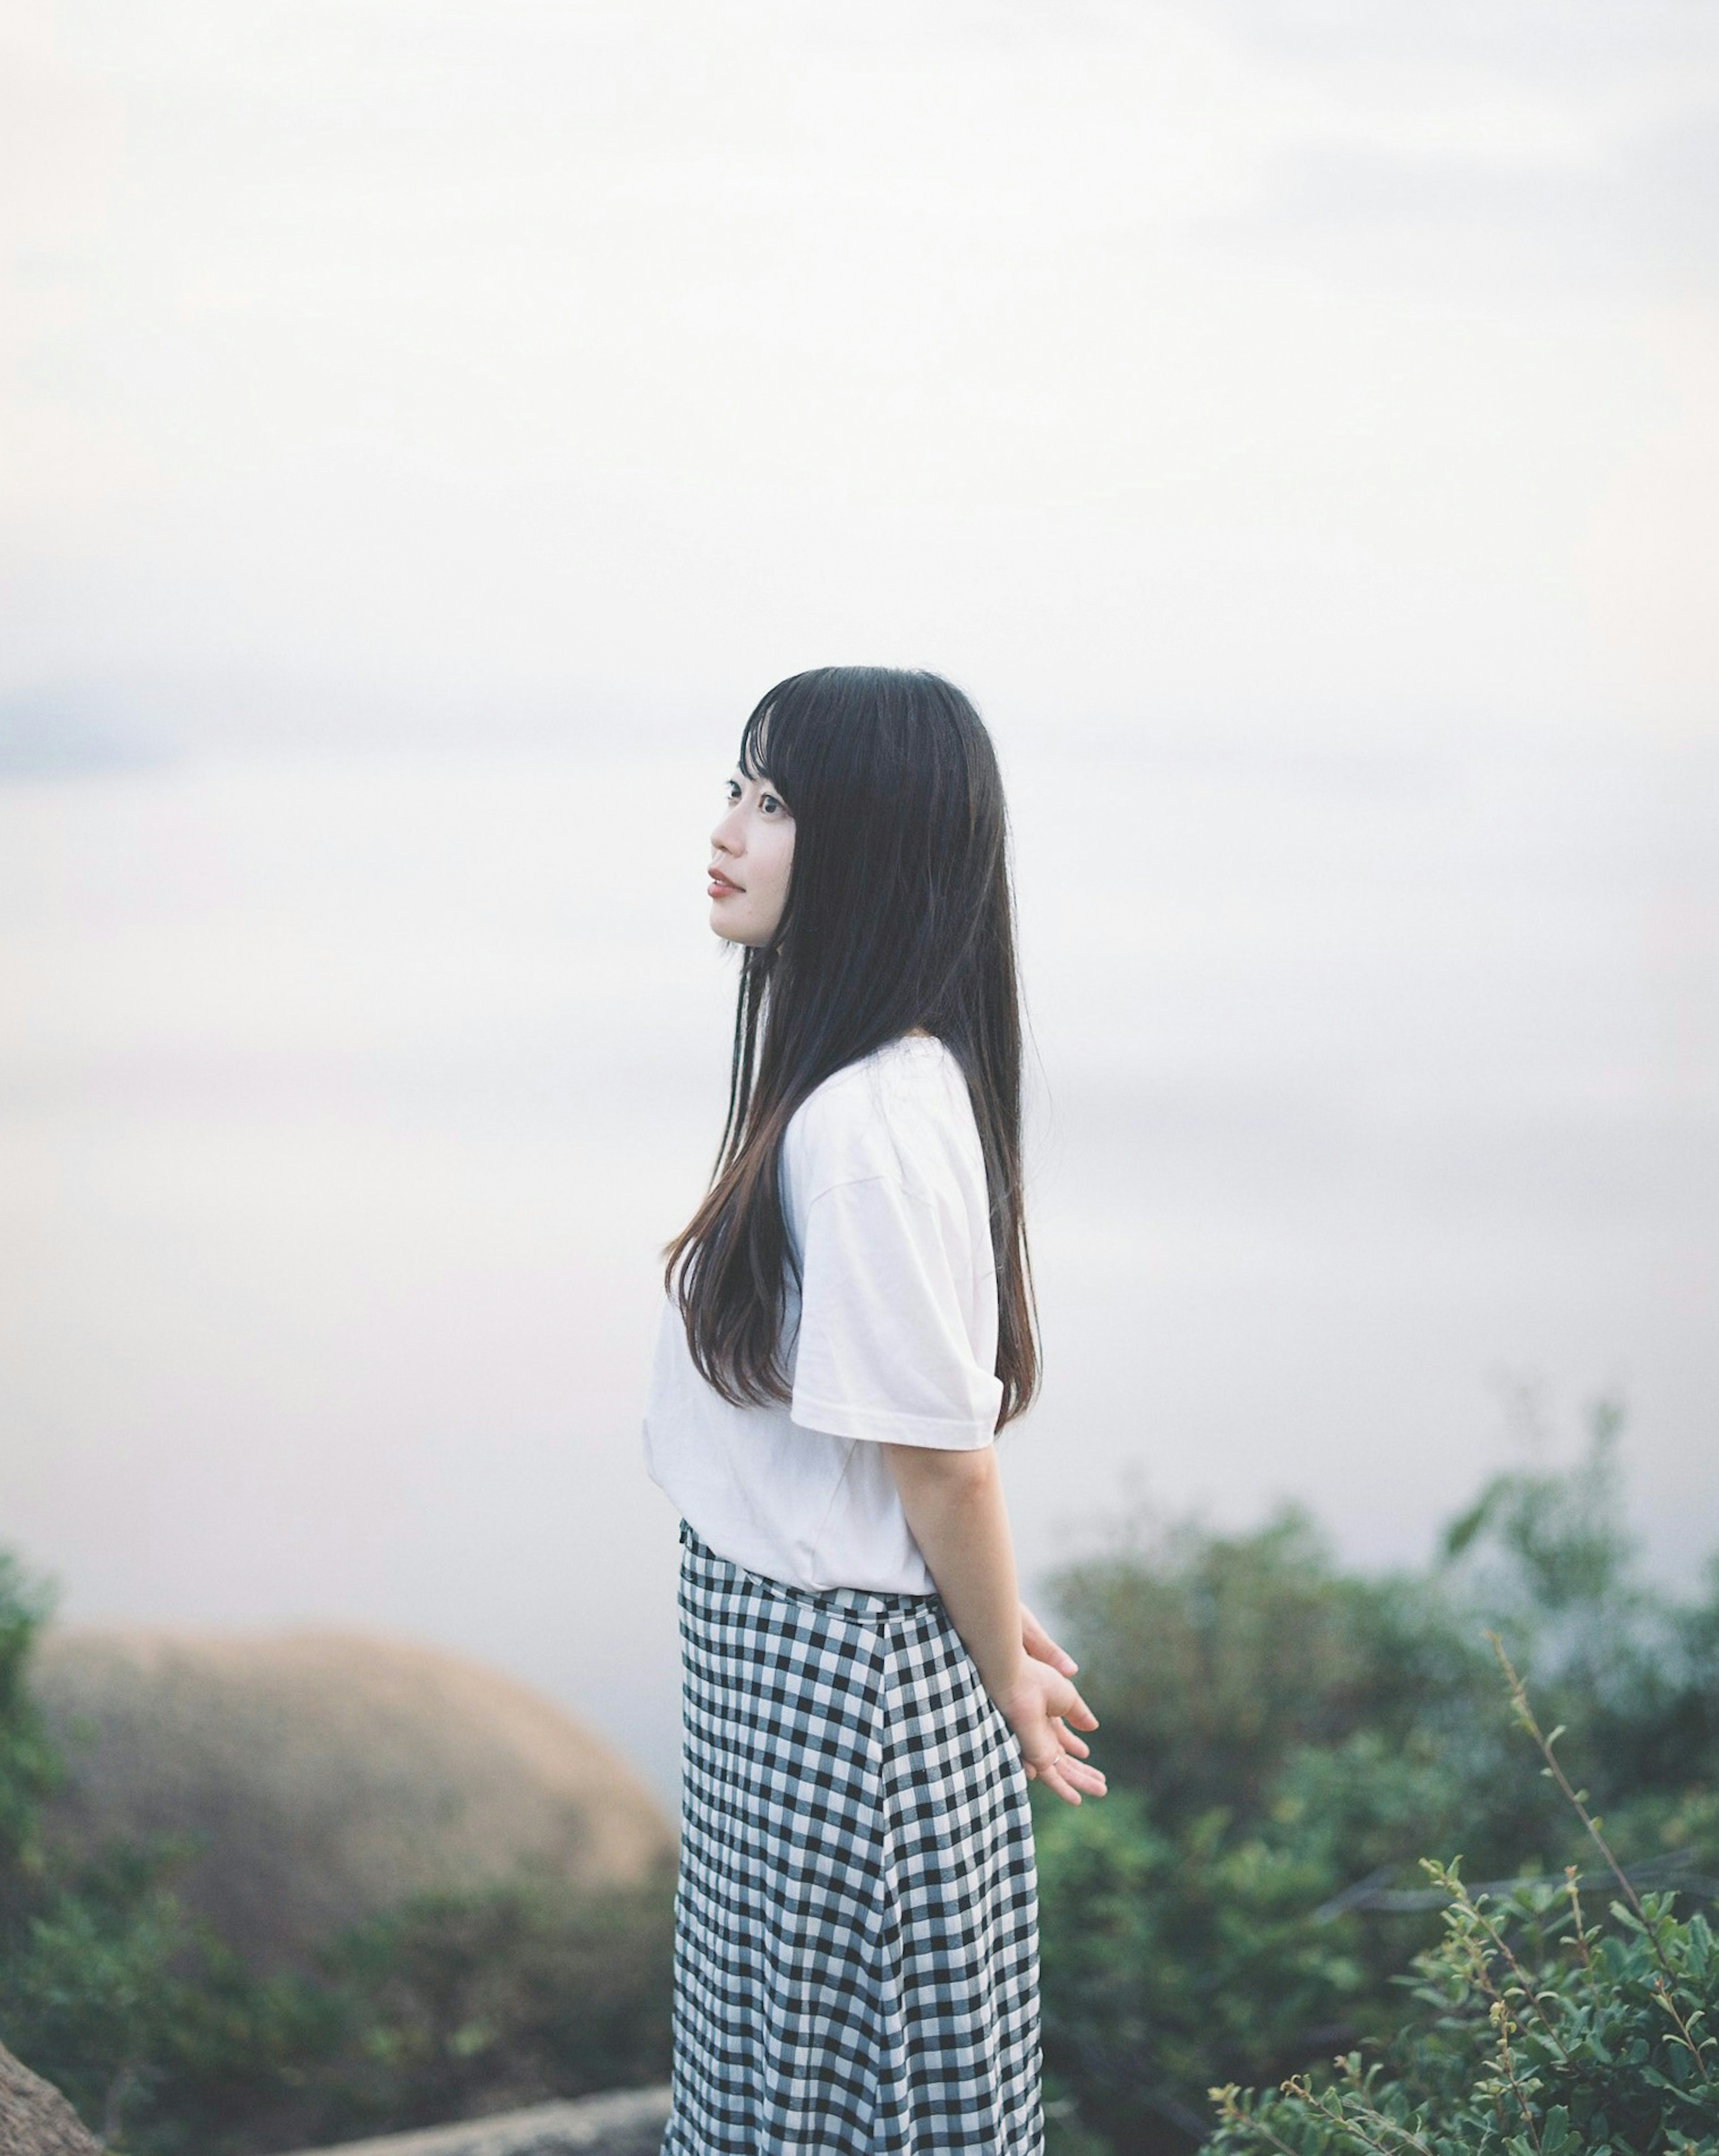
[[902, 1112]]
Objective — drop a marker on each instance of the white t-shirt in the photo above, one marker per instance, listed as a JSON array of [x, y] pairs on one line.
[[892, 1335]]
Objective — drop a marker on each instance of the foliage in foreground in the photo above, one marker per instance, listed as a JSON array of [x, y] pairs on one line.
[[450, 2005], [1284, 1738], [1537, 2035]]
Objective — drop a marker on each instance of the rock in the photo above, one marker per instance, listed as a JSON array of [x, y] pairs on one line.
[[628, 2123], [327, 1775], [36, 2120]]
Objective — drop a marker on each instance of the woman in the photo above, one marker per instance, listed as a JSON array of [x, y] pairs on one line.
[[848, 1322]]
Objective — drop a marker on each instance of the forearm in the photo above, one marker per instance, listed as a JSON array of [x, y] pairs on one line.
[[955, 1507]]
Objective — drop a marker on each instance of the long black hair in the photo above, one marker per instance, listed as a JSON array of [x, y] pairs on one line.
[[899, 914]]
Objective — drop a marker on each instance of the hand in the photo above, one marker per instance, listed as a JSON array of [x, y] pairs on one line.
[[1039, 1645], [1043, 1710]]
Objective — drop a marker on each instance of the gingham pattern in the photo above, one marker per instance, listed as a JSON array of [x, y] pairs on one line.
[[856, 1920]]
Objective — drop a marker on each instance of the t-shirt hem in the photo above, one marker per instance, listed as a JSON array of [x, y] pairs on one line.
[[940, 1432]]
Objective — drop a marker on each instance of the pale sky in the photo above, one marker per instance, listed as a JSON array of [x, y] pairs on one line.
[[387, 364]]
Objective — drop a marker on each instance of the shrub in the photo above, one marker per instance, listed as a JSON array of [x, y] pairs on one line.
[[167, 2045], [1283, 1738], [29, 1771], [1163, 1953], [1538, 2034], [458, 2003]]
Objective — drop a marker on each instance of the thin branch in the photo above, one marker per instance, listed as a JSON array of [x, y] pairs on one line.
[[1671, 1872], [1572, 1884], [1502, 2021], [1525, 1716]]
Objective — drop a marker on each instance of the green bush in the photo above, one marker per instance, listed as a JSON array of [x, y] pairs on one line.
[[449, 2006], [163, 2042], [452, 2004], [1538, 2034], [1283, 1738], [464, 2003], [29, 1771], [1162, 1954]]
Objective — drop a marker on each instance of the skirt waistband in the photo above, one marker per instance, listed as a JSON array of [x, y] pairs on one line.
[[859, 1601]]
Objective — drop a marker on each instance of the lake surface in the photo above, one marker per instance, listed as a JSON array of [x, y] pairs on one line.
[[345, 1101]]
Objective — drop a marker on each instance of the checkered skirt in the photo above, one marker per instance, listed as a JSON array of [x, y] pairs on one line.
[[856, 1967]]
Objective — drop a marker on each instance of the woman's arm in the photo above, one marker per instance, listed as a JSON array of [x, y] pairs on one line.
[[954, 1504]]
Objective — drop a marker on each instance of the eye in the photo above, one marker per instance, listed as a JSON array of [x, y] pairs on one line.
[[768, 801]]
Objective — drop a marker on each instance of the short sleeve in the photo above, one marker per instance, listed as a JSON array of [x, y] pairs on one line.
[[884, 1349]]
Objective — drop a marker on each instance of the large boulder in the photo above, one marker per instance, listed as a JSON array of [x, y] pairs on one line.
[[35, 2119], [326, 1775]]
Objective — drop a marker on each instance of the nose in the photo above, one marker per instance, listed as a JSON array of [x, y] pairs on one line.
[[726, 835]]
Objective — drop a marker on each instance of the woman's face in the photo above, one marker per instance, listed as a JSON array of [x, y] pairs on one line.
[[752, 849]]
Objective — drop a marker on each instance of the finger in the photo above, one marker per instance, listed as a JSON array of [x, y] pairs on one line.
[[1079, 1715], [1056, 1777], [1078, 1774], [1039, 1645], [1067, 1778]]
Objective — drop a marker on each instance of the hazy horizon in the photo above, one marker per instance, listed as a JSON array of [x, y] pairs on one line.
[[347, 1097]]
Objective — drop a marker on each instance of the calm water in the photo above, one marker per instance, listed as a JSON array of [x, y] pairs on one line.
[[345, 1100]]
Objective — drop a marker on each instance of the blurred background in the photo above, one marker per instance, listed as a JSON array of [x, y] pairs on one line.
[[430, 429]]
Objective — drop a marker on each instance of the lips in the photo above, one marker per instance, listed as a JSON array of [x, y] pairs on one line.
[[727, 883]]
